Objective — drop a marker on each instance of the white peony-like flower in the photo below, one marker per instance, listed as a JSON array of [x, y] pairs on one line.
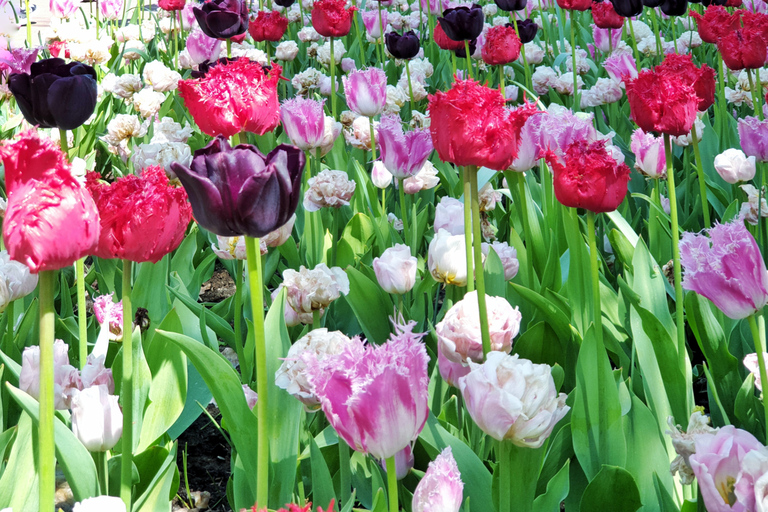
[[160, 77]]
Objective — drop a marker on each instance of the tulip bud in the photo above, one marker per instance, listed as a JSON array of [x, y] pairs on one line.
[[649, 154], [441, 489], [734, 166], [380, 176], [396, 269], [403, 47], [447, 260], [449, 215], [96, 418]]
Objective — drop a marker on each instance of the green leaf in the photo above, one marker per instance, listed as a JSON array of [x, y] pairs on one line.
[[149, 289], [322, 484], [157, 469], [222, 329], [557, 491], [19, 483], [614, 489], [495, 284], [554, 316], [355, 240], [372, 306], [709, 333]]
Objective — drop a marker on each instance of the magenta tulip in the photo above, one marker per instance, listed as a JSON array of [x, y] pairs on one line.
[[403, 153]]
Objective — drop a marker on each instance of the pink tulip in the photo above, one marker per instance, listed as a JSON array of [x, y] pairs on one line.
[[750, 363], [66, 378], [620, 67], [366, 91], [560, 127], [17, 60], [251, 398], [602, 38], [753, 135], [449, 215], [109, 314], [97, 420], [727, 268], [507, 255], [403, 153], [372, 23], [450, 371], [380, 176], [304, 122], [202, 48], [441, 489], [751, 488], [63, 8], [376, 397], [111, 9], [396, 269], [649, 154], [529, 151], [403, 462], [94, 373]]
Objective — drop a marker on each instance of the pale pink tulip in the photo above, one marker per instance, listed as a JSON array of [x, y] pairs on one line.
[[97, 420], [441, 489], [396, 269]]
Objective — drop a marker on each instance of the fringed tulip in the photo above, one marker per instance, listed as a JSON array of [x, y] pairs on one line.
[[97, 421], [716, 23], [332, 18], [726, 268], [502, 45], [403, 153], [662, 103], [605, 16], [329, 189], [171, 5], [575, 5], [304, 122], [268, 26], [743, 48], [109, 315], [202, 48], [366, 91], [222, 19], [702, 79], [684, 444], [753, 135], [376, 397], [621, 67], [441, 488], [649, 154], [396, 269]]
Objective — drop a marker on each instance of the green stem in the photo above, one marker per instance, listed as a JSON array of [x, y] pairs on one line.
[[526, 67], [760, 363], [721, 106], [392, 484], [29, 25], [501, 82], [46, 456], [408, 76], [479, 274], [63, 142], [593, 263], [468, 227], [81, 318], [576, 104], [316, 320], [359, 37], [403, 209], [9, 314], [373, 138], [700, 174], [257, 309], [100, 459], [634, 43], [679, 307], [659, 49], [345, 475], [527, 228], [469, 61], [382, 28], [333, 83], [755, 96], [505, 476], [229, 48], [238, 314], [126, 391]]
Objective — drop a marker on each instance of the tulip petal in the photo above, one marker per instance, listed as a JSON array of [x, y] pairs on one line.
[[223, 23], [71, 100]]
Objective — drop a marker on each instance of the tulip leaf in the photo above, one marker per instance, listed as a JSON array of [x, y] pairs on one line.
[[222, 329], [149, 289], [557, 491], [495, 284], [709, 333], [19, 481], [74, 460], [157, 469], [614, 489], [555, 317], [371, 305], [322, 483]]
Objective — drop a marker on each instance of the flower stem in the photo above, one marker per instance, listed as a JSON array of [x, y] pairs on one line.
[[403, 209], [526, 67], [373, 139], [468, 228], [333, 82], [479, 274], [392, 483], [501, 81], [700, 173], [679, 307], [126, 391], [100, 459], [721, 106], [257, 309], [469, 61], [505, 475], [593, 263], [81, 319], [316, 319], [759, 348], [755, 96], [229, 48], [345, 476], [63, 142], [29, 34], [523, 207], [634, 43], [408, 76], [11, 319], [655, 21], [576, 104], [238, 314], [46, 448]]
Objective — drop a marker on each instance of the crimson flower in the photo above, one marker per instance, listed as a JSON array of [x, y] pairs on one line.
[[331, 18], [502, 45], [443, 41], [662, 103], [171, 5], [743, 48], [701, 79], [234, 96], [142, 218], [758, 21], [716, 22], [575, 5], [471, 126], [589, 177], [605, 15], [267, 26], [50, 221]]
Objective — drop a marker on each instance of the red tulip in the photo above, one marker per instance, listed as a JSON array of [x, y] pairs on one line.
[[757, 21], [142, 218], [605, 15], [331, 18], [171, 5], [662, 103], [444, 42], [743, 48], [501, 46], [51, 221], [268, 26], [234, 96], [589, 177], [701, 79], [575, 5], [716, 22], [471, 126]]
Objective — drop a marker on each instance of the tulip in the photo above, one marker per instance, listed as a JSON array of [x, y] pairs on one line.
[[234, 96], [396, 269], [66, 378], [97, 421], [171, 5], [507, 255], [373, 23], [512, 399], [100, 504], [94, 373], [450, 371], [717, 464], [202, 48], [726, 268], [753, 135], [662, 103], [314, 290], [366, 91], [376, 397], [404, 461], [18, 60], [404, 47], [734, 166], [606, 17], [603, 42], [462, 23], [649, 154], [751, 488], [403, 153], [63, 8], [443, 41], [304, 122], [458, 333], [620, 67], [716, 23], [527, 29], [449, 216], [110, 317], [701, 79], [16, 281], [239, 191], [447, 260], [425, 179], [502, 45], [380, 176], [222, 19], [743, 48], [511, 5], [684, 444], [750, 363], [755, 206], [55, 94], [331, 18], [50, 221], [268, 26], [441, 488], [329, 189], [674, 7]]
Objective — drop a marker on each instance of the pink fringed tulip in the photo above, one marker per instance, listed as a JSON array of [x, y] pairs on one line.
[[726, 268], [376, 397], [304, 122], [620, 67], [372, 23], [603, 41], [396, 269], [111, 9], [63, 8], [513, 399], [403, 153], [753, 135], [441, 489], [458, 333], [529, 151], [202, 48], [366, 91], [649, 154], [96, 418], [717, 464]]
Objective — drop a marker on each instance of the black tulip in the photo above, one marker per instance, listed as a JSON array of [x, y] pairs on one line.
[[652, 3], [285, 3], [527, 30], [462, 52], [674, 7], [222, 19], [627, 8], [404, 46], [55, 94], [511, 5], [462, 23]]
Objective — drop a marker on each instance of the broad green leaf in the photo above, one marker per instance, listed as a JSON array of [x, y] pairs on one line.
[[495, 284], [557, 491], [157, 469], [372, 306], [554, 316], [149, 289], [322, 484], [614, 489], [19, 482]]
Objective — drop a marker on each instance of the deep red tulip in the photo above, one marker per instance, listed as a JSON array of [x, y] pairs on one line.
[[142, 218], [575, 5], [471, 126], [234, 96], [605, 15], [51, 220], [171, 5], [716, 22], [444, 42], [589, 177], [331, 18], [268, 26], [502, 45], [701, 79], [662, 103], [743, 48], [757, 21]]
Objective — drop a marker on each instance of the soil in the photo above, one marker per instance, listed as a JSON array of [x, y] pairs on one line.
[[218, 287]]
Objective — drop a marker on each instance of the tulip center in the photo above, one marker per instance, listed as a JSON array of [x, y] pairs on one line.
[[726, 491]]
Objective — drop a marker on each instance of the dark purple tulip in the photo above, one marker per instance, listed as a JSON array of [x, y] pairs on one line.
[[527, 30], [462, 23], [238, 191], [674, 7], [285, 3], [462, 52], [511, 5], [55, 94], [652, 3], [404, 46], [222, 19], [628, 8]]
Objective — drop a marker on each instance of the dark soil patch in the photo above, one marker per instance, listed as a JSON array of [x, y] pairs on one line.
[[218, 287]]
